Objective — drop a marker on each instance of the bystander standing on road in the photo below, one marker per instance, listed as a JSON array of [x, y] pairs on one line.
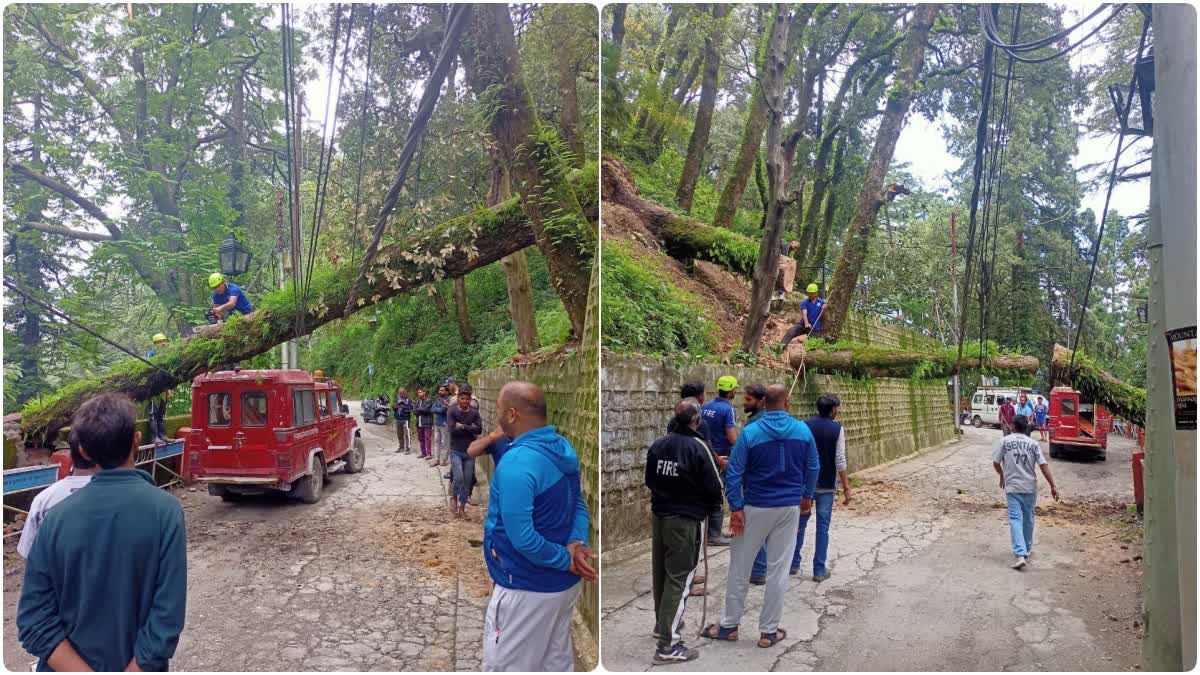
[[403, 407], [685, 486], [772, 476], [534, 539], [105, 583], [1025, 407], [1007, 412], [423, 414], [441, 436], [1041, 413], [831, 448], [721, 422], [1015, 459], [465, 425], [81, 474]]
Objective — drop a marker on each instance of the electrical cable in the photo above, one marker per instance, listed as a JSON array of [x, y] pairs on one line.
[[1049, 39], [1112, 182], [14, 286], [289, 91], [989, 34], [362, 129]]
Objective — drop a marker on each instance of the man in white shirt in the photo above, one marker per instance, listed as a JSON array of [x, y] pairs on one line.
[[1015, 458], [80, 476]]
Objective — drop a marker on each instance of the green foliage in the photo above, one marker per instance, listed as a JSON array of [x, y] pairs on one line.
[[643, 311]]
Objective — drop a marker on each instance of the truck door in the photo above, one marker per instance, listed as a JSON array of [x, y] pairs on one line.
[[1064, 416], [219, 453], [253, 439], [305, 434]]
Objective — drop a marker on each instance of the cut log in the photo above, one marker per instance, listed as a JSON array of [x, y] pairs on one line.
[[884, 363], [449, 250], [683, 238], [1098, 386]]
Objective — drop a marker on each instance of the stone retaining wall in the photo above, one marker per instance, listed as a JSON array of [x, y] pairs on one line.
[[870, 330], [884, 419]]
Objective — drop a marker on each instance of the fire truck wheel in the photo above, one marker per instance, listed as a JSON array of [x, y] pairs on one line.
[[1103, 456], [357, 457], [309, 488], [1055, 451]]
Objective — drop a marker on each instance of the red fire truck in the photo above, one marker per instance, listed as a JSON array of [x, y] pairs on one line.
[[1077, 425], [259, 430]]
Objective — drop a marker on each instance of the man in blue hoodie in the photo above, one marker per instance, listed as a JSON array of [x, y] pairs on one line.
[[106, 581], [534, 540], [771, 478]]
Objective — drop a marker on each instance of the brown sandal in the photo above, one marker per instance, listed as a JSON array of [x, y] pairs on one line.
[[770, 639], [715, 631]]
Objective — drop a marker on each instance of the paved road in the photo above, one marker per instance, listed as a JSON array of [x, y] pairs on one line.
[[375, 576], [921, 579]]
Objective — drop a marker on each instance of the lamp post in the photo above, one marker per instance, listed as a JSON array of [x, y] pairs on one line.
[[234, 259]]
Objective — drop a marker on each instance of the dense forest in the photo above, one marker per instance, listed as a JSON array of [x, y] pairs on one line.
[[751, 122], [138, 138]]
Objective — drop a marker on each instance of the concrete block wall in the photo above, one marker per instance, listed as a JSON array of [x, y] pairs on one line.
[[884, 419]]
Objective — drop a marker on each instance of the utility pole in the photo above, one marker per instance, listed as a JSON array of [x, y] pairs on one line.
[[1169, 605], [954, 287], [297, 262], [284, 349]]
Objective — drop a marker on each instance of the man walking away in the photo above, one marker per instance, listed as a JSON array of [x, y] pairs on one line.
[[534, 540], [685, 486], [1007, 413], [831, 449], [465, 425], [441, 437], [772, 476], [81, 475], [403, 406], [106, 580], [1014, 458], [423, 411], [1041, 415], [810, 316], [719, 419]]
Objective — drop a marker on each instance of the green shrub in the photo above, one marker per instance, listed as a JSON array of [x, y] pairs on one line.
[[643, 311]]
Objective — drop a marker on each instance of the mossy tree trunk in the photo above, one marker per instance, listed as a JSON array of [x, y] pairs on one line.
[[884, 363], [704, 112], [537, 164]]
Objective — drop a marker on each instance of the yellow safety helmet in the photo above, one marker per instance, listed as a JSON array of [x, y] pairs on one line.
[[158, 337], [812, 288], [215, 279]]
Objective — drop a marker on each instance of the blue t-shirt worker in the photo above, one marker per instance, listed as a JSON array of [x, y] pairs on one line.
[[534, 540], [227, 297], [719, 417], [811, 309]]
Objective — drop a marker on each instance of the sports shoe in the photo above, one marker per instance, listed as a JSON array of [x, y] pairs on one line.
[[758, 581], [654, 633], [719, 540], [822, 577], [1019, 563], [676, 653]]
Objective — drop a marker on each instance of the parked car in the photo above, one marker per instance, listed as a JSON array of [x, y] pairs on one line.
[[270, 430], [985, 403], [1077, 425]]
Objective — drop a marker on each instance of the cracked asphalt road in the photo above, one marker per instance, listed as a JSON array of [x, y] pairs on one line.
[[376, 576], [921, 578]]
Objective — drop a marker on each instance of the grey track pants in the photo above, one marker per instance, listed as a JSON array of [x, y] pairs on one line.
[[673, 558], [403, 438], [777, 527], [525, 631]]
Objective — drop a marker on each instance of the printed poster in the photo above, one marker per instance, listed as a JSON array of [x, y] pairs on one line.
[[1183, 367]]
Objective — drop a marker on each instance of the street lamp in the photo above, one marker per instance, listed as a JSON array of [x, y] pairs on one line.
[[234, 258], [1143, 313]]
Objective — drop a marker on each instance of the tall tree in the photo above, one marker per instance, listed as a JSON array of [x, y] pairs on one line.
[[871, 196], [516, 268], [535, 159], [704, 112], [461, 310]]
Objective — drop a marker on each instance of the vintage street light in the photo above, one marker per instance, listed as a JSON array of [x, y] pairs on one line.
[[1143, 313], [234, 258]]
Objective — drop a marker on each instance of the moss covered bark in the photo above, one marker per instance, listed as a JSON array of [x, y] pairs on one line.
[[449, 250], [1093, 383], [861, 360]]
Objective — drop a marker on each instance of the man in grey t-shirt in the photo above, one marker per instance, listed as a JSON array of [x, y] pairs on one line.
[[1015, 458]]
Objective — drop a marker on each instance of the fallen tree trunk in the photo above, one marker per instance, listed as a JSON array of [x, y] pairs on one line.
[[884, 363], [1093, 383], [684, 238], [449, 250]]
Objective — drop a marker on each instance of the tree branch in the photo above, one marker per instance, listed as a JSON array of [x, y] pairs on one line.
[[65, 231], [70, 193]]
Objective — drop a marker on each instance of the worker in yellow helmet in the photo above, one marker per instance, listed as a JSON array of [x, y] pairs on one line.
[[156, 407], [227, 296], [811, 310]]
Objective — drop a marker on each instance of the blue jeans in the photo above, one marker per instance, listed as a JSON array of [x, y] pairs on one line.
[[462, 475], [823, 505], [1020, 521]]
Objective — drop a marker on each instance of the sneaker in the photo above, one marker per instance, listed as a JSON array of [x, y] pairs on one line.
[[676, 653], [757, 580], [822, 577], [1019, 563], [794, 571], [720, 540], [654, 633]]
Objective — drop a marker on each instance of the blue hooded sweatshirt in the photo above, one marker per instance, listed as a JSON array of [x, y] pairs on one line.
[[774, 463], [535, 508]]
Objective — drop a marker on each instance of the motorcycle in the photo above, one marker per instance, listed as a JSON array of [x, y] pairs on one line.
[[376, 409]]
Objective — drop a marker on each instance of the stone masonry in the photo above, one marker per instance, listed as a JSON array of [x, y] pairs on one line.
[[884, 419]]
